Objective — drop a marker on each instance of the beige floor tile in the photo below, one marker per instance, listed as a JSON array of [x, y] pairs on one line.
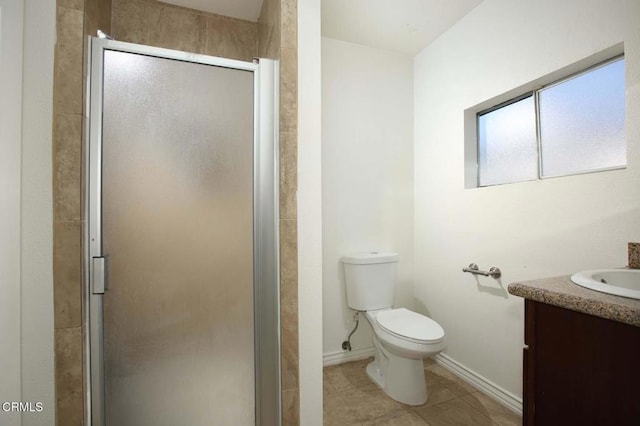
[[427, 362], [497, 413], [336, 412], [351, 398], [453, 413], [453, 382], [353, 374], [372, 405], [408, 419], [335, 379], [438, 392]]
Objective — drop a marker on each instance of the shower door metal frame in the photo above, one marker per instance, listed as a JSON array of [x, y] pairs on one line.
[[265, 226]]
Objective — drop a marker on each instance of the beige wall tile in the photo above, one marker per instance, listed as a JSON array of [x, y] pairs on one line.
[[288, 90], [104, 14], [69, 377], [273, 46], [71, 4], [67, 267], [129, 20], [270, 13], [272, 10], [288, 175], [67, 164], [264, 29], [263, 36], [282, 43], [269, 29], [162, 25], [97, 17], [288, 262], [289, 27], [290, 407], [90, 28], [68, 62], [177, 28], [289, 361], [67, 184], [231, 38]]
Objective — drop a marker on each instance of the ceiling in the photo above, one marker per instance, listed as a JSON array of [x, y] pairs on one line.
[[242, 9], [400, 25]]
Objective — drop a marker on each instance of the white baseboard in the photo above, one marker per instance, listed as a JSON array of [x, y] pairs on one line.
[[501, 395], [340, 357]]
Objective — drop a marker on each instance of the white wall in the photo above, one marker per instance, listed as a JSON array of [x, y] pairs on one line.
[[26, 277], [37, 211], [531, 229], [309, 214], [367, 173], [11, 21]]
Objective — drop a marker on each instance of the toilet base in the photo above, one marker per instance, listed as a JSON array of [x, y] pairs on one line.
[[400, 378]]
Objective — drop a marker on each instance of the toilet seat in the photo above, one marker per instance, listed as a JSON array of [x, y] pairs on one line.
[[409, 325]]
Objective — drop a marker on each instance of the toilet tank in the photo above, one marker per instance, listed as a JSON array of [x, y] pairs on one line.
[[370, 279]]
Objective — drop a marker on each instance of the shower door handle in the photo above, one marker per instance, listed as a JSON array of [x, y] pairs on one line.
[[100, 274]]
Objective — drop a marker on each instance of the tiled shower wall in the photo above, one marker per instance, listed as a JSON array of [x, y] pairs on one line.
[[162, 25], [75, 18], [278, 35], [153, 23]]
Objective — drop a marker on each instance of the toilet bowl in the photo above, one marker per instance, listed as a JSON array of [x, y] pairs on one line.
[[406, 333], [402, 338]]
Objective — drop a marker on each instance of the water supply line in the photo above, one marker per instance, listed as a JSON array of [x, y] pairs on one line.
[[346, 345]]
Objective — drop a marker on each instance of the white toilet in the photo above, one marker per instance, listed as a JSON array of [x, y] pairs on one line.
[[402, 338]]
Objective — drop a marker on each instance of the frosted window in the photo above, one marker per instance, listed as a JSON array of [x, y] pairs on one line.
[[507, 149], [573, 126], [582, 122]]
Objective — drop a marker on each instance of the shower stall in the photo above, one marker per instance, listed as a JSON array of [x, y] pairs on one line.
[[181, 239]]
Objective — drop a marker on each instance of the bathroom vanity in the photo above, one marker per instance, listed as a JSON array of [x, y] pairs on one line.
[[581, 360]]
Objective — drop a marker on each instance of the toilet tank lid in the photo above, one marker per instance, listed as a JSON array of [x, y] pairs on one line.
[[371, 257]]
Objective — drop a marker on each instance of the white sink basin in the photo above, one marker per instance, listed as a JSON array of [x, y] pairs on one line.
[[621, 282]]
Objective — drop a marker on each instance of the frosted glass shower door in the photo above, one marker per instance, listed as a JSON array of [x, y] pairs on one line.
[[177, 227]]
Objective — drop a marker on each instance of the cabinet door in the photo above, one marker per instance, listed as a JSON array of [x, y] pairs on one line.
[[585, 369], [528, 365]]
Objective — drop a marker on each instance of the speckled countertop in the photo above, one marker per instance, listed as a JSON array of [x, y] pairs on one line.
[[562, 292]]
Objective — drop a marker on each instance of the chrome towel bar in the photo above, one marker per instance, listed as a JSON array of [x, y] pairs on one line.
[[473, 269]]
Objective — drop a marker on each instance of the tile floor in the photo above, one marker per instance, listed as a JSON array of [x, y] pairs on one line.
[[351, 398]]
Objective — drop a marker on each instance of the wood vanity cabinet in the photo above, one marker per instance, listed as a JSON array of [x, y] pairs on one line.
[[579, 369]]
